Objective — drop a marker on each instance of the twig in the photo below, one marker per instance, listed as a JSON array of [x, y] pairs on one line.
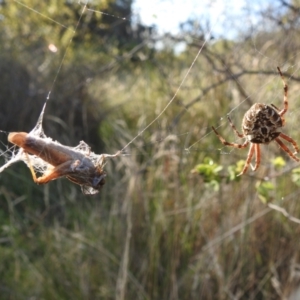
[[284, 212]]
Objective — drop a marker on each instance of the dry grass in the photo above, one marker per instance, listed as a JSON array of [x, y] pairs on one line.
[[157, 230]]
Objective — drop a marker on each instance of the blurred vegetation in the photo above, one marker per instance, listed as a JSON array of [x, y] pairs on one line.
[[173, 220]]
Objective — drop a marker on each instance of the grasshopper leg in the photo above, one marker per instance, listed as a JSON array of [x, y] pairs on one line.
[[58, 171]]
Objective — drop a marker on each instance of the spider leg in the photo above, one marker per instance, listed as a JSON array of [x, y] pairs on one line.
[[248, 160], [286, 149], [285, 97], [257, 157], [274, 106], [290, 140], [234, 128], [224, 142]]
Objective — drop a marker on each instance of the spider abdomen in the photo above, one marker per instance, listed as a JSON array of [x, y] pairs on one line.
[[261, 123]]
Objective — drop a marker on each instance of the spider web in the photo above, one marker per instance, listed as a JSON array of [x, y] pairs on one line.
[[40, 165], [209, 86], [265, 68]]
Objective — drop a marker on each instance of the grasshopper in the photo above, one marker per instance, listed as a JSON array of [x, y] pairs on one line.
[[78, 164]]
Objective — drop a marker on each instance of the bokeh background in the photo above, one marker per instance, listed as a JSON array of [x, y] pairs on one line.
[[172, 221]]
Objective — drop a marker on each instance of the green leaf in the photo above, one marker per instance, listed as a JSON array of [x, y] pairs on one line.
[[296, 176], [278, 162], [264, 189], [210, 172]]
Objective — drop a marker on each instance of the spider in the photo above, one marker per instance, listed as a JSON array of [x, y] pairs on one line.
[[261, 125]]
